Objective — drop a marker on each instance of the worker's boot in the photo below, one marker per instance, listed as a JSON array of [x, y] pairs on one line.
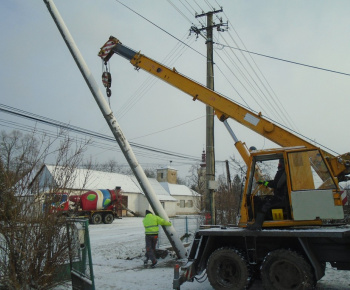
[[154, 264], [259, 219]]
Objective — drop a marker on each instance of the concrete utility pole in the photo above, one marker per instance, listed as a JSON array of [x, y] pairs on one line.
[[211, 184], [124, 145]]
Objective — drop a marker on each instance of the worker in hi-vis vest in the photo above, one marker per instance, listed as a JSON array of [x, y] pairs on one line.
[[151, 222]]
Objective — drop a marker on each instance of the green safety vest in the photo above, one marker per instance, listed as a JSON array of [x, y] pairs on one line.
[[151, 222]]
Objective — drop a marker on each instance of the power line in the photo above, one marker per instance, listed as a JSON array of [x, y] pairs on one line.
[[242, 50], [142, 90], [51, 122], [285, 60], [168, 128], [160, 28]]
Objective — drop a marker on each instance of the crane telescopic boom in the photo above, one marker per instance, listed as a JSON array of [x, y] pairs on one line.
[[224, 108]]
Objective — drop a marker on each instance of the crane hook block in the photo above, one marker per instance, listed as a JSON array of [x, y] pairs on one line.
[[107, 79], [109, 92], [107, 82]]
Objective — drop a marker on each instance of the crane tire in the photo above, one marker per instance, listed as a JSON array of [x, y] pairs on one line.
[[286, 270], [108, 218], [96, 219], [228, 269]]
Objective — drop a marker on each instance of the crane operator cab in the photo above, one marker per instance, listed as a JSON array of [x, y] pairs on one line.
[[289, 187]]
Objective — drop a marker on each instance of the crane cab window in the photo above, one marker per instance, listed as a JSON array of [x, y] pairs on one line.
[[309, 171], [265, 168]]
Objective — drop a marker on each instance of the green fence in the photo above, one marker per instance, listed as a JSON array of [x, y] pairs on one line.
[[80, 266]]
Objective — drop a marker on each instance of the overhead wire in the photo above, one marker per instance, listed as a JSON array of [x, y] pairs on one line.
[[194, 11], [177, 159], [224, 62], [168, 128], [160, 28], [290, 129], [178, 10], [51, 122], [264, 100], [288, 118], [281, 116], [285, 112], [150, 81], [258, 92], [209, 5], [201, 22], [292, 62], [202, 10]]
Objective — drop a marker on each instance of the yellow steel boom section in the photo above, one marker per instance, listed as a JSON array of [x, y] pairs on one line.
[[223, 107]]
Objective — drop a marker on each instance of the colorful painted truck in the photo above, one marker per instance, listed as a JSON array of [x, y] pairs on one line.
[[98, 206]]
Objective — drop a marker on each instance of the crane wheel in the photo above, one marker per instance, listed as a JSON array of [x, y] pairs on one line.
[[228, 269], [108, 218], [286, 270], [96, 219]]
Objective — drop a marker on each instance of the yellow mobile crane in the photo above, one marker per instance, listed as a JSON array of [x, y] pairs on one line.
[[233, 255]]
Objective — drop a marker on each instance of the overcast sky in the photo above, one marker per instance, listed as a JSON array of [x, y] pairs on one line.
[[38, 74]]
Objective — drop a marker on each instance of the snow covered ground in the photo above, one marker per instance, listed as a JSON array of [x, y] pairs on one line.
[[117, 253]]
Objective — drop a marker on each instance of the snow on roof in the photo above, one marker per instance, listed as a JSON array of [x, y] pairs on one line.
[[159, 190], [93, 179], [178, 189], [167, 167]]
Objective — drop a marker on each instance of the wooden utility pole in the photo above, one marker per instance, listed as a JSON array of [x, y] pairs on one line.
[[210, 152]]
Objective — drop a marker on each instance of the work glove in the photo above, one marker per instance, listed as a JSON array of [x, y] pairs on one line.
[[263, 182]]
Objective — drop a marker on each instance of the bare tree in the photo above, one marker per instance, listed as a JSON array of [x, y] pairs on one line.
[[111, 166], [227, 200], [150, 172], [181, 181], [34, 243], [196, 181], [17, 153]]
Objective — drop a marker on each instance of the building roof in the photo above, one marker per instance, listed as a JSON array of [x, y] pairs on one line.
[[178, 189], [159, 190], [167, 167], [85, 179]]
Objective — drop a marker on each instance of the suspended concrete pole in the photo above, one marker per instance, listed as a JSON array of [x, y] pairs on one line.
[[116, 130]]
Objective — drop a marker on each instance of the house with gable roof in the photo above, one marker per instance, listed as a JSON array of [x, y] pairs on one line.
[[175, 199], [188, 200]]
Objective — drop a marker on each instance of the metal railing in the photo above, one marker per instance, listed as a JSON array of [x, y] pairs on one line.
[[185, 227]]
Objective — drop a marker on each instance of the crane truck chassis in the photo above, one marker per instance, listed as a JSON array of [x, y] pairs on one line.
[[299, 237], [290, 258]]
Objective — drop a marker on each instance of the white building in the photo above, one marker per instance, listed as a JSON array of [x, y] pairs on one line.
[[188, 201], [175, 199]]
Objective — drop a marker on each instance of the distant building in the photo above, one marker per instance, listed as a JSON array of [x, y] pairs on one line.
[[188, 201], [167, 174], [82, 180]]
